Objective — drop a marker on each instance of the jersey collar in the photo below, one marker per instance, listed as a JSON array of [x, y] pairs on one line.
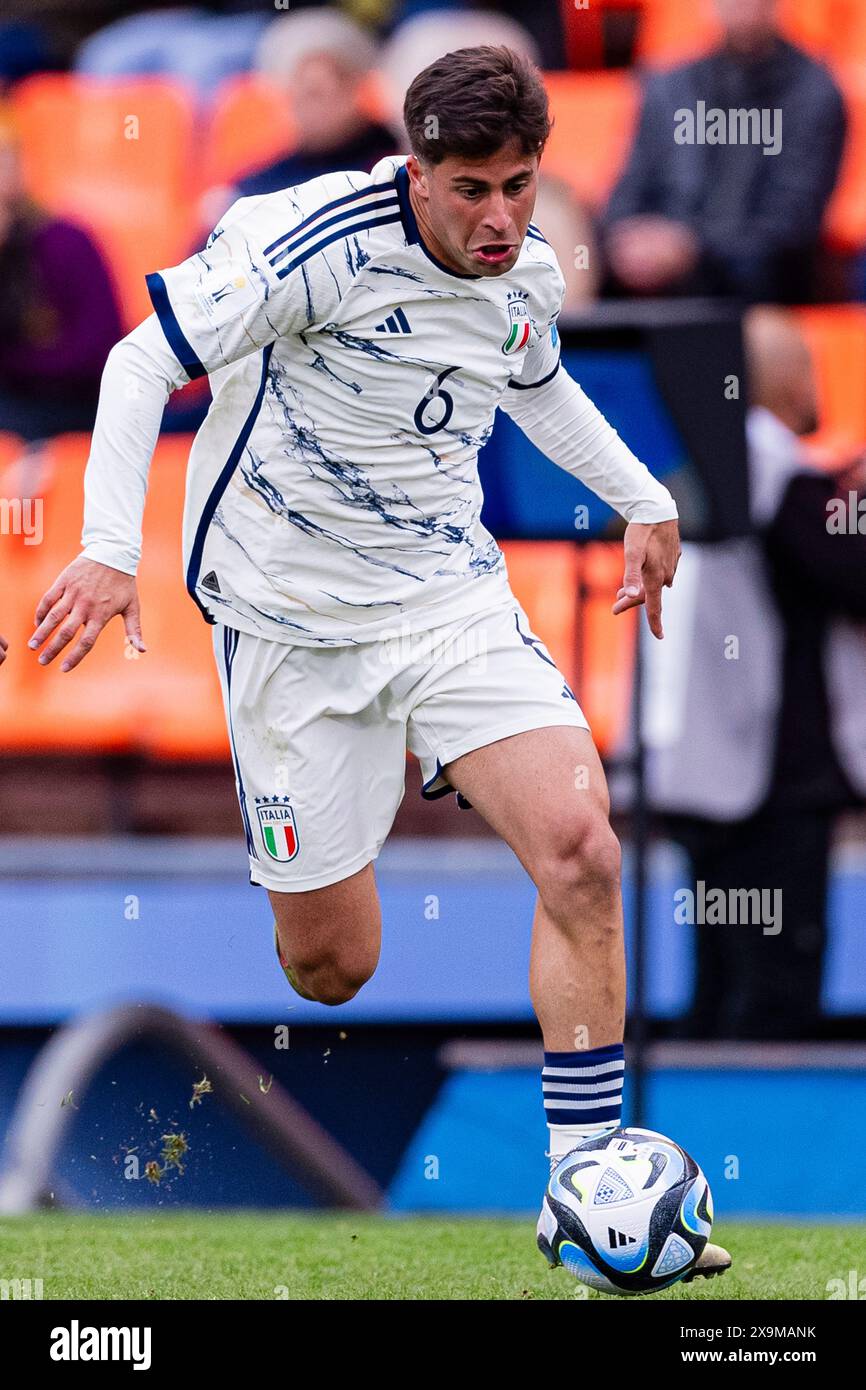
[[410, 226]]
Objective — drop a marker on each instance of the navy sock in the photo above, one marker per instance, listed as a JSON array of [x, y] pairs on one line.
[[582, 1094]]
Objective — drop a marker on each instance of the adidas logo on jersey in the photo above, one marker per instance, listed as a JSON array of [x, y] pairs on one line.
[[394, 323]]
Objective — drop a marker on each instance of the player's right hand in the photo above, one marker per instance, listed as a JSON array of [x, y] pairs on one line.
[[3, 646], [86, 594]]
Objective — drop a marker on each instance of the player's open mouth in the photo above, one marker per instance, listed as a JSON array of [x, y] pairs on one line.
[[494, 252]]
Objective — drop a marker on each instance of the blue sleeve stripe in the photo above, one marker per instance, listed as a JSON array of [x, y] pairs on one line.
[[329, 207], [171, 328], [531, 385], [294, 242], [368, 225]]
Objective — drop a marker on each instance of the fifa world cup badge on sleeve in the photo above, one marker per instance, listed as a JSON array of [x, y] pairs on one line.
[[279, 829], [225, 292]]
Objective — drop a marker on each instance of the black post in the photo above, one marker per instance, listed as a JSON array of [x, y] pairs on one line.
[[637, 1013]]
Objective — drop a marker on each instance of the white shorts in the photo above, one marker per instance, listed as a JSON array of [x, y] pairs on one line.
[[319, 734]]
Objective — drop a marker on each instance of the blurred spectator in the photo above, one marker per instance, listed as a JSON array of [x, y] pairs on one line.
[[569, 228], [762, 745], [58, 313], [701, 208], [422, 40], [545, 23], [199, 49], [321, 61]]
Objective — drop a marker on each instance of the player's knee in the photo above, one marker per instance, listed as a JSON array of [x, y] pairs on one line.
[[337, 985], [331, 979], [583, 863]]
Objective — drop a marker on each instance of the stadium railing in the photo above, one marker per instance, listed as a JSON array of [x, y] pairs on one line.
[[67, 1063]]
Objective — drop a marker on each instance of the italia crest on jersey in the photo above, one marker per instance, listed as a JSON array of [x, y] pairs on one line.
[[279, 830], [520, 326]]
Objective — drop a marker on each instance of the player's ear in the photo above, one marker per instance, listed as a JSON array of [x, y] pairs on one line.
[[415, 170]]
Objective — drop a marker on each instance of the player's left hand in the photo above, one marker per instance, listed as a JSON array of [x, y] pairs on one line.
[[651, 555], [4, 647]]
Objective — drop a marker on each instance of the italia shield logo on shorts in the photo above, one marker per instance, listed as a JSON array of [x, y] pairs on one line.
[[279, 831]]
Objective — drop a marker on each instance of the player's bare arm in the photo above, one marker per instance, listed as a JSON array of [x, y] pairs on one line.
[[82, 600]]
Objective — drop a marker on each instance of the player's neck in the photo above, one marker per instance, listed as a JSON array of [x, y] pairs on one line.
[[428, 236]]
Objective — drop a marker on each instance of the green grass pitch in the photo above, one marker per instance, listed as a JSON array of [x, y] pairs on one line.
[[260, 1255]]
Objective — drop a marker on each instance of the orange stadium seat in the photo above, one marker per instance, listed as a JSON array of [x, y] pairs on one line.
[[834, 30], [568, 591], [544, 578], [52, 710], [179, 706], [850, 45], [837, 337], [810, 25], [251, 124], [117, 157], [845, 223], [674, 31], [165, 703], [15, 624], [594, 116], [606, 644]]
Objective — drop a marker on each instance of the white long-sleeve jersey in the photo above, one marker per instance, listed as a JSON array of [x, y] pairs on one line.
[[332, 491]]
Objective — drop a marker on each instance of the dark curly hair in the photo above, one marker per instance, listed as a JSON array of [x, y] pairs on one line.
[[473, 101]]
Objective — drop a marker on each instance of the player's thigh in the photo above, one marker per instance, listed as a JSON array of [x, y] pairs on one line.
[[544, 791], [339, 925], [498, 722]]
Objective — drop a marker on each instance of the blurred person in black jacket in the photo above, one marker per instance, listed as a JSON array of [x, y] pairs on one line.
[[320, 60], [757, 731], [716, 203]]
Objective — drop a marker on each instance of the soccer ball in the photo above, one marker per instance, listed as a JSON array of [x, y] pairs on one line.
[[628, 1212]]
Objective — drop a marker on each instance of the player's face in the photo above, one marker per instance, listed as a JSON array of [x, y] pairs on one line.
[[476, 211]]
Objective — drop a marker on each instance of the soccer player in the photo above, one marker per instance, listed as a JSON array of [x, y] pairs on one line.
[[360, 331]]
